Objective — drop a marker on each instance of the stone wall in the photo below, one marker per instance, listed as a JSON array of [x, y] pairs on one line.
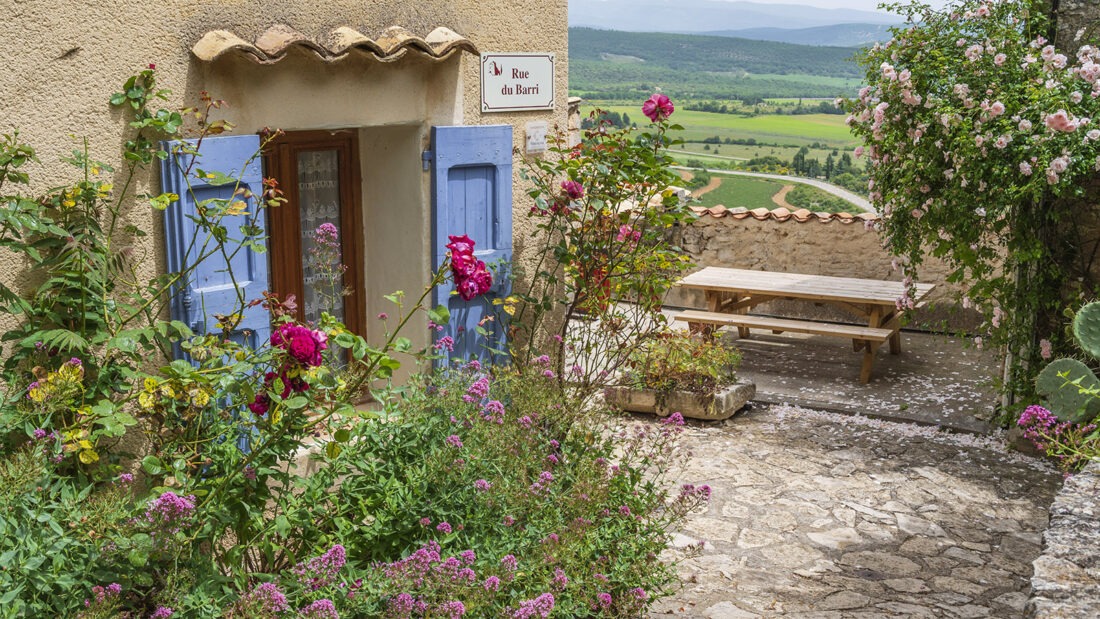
[[843, 246], [1066, 579]]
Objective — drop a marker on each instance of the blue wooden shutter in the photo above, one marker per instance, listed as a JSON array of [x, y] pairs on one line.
[[472, 194], [210, 290]]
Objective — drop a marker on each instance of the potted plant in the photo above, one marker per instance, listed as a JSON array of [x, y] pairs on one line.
[[680, 372]]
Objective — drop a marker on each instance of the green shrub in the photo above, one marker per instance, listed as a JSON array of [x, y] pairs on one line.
[[677, 361]]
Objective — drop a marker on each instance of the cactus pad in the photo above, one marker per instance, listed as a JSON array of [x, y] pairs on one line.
[[1086, 328], [1068, 401]]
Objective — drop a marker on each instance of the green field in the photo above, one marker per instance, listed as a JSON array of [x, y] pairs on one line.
[[738, 152], [741, 191], [800, 129]]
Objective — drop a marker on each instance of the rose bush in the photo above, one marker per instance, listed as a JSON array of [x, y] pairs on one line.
[[605, 247], [978, 133]]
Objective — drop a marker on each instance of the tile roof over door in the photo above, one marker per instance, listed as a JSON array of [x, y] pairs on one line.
[[278, 40]]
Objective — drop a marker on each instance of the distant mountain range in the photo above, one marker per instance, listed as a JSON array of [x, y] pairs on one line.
[[709, 16], [839, 35]]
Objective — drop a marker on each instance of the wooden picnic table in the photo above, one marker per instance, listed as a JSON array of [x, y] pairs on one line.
[[730, 293]]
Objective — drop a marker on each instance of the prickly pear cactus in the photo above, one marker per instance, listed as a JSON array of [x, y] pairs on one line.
[[1086, 328], [1078, 403]]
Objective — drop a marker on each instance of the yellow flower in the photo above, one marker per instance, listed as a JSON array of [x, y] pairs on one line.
[[150, 384], [201, 399], [147, 399], [88, 456], [167, 391]]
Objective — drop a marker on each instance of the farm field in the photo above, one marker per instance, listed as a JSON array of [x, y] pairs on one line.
[[737, 191], [740, 152], [801, 129]]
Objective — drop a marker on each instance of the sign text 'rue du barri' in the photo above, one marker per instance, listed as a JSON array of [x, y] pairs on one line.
[[516, 82]]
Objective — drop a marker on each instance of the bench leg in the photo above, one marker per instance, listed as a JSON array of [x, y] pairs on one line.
[[865, 369], [870, 348], [895, 343]]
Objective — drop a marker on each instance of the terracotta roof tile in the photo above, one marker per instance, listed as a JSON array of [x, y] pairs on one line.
[[783, 214], [280, 39]]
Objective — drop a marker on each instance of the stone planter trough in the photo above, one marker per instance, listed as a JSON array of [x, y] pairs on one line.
[[721, 405]]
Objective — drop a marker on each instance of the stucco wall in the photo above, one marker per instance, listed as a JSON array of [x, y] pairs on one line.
[[815, 247], [62, 60]]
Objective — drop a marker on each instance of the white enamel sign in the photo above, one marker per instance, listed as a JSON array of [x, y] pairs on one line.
[[517, 82]]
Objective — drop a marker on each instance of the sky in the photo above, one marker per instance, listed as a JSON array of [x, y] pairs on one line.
[[866, 5]]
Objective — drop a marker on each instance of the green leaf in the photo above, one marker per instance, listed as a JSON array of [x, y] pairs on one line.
[[342, 435], [440, 315], [152, 465], [297, 402], [332, 450]]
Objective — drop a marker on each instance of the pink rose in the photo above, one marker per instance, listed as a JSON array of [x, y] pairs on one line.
[[467, 289], [303, 344], [658, 107], [460, 244], [463, 264]]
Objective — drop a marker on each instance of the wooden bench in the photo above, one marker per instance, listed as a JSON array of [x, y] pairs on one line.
[[867, 339]]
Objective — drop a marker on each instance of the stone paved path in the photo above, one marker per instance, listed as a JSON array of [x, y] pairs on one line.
[[822, 515]]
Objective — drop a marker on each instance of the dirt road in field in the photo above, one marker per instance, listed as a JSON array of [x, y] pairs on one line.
[[780, 198]]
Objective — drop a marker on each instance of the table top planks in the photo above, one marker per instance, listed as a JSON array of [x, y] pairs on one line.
[[796, 285]]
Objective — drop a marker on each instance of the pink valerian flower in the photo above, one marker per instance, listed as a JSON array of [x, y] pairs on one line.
[[572, 190], [454, 441], [443, 527], [509, 563], [471, 277], [162, 612], [560, 579], [492, 583], [541, 606], [170, 511], [383, 316], [603, 599], [321, 609], [304, 345], [326, 235], [445, 343], [658, 107], [452, 609], [321, 571], [266, 598], [104, 594]]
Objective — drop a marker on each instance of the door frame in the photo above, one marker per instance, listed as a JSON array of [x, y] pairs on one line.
[[285, 224]]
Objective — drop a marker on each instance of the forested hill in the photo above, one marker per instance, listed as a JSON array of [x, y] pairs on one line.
[[714, 54]]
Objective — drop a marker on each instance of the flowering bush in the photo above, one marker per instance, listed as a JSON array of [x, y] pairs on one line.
[[685, 362], [479, 494], [605, 247], [1072, 445], [978, 131]]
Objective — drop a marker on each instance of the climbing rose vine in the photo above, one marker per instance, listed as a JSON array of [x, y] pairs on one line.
[[977, 129]]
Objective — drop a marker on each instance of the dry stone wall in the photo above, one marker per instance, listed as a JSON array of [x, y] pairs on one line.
[[1066, 579]]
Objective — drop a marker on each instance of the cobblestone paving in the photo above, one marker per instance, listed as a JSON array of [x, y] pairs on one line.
[[821, 515]]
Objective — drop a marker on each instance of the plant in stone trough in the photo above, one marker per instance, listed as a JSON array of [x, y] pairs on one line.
[[680, 361]]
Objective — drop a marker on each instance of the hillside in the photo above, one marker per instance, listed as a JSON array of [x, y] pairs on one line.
[[712, 54], [606, 64], [840, 35]]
